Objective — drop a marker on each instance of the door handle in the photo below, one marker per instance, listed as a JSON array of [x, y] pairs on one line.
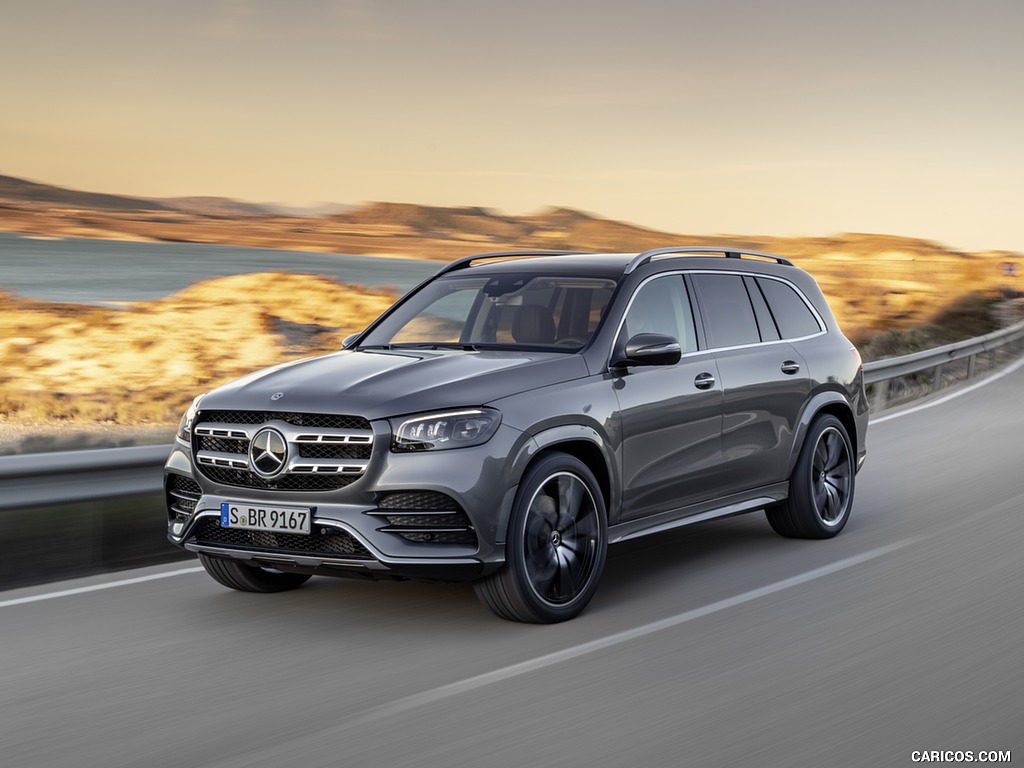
[[704, 381], [790, 367]]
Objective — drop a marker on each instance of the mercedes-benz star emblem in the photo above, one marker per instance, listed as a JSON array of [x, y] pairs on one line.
[[268, 452], [277, 396]]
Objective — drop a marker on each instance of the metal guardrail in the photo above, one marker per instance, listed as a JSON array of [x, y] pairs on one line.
[[39, 479], [879, 374], [77, 513]]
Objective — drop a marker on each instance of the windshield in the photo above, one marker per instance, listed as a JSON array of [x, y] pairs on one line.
[[497, 312]]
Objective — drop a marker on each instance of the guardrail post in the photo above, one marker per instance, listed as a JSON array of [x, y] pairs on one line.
[[970, 366], [937, 380], [879, 395]]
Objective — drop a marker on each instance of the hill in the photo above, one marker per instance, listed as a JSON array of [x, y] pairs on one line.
[[212, 206], [14, 191]]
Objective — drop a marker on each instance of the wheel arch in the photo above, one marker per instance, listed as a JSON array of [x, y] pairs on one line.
[[829, 402], [582, 442]]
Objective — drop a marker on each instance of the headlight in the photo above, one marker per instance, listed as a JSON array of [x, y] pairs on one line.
[[440, 431], [185, 425]]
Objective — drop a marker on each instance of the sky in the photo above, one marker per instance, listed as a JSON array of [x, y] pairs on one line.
[[770, 117]]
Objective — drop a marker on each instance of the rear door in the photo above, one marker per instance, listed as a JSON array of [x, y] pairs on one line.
[[764, 380]]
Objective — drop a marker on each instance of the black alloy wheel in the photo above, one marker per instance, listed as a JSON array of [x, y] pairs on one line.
[[556, 547], [821, 486]]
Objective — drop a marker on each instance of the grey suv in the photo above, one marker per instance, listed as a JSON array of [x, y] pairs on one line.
[[513, 415]]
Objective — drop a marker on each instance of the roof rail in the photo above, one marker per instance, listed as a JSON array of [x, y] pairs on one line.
[[731, 253], [465, 261]]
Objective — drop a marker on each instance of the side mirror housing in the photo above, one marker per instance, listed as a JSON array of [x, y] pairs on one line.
[[649, 349]]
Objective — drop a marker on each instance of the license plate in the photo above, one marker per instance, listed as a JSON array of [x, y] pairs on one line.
[[261, 518]]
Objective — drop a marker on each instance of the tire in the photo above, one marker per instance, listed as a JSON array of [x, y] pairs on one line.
[[556, 546], [821, 486], [250, 578]]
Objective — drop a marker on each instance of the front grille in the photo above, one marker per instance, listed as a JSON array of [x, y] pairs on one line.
[[334, 543], [325, 452], [426, 517], [182, 495]]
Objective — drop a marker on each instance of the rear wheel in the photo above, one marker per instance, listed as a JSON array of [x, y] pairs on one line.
[[556, 546], [250, 578], [821, 486]]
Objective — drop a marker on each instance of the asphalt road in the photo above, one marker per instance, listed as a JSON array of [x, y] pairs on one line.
[[720, 644]]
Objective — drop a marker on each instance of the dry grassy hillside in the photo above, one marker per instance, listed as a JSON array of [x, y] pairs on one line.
[[143, 364]]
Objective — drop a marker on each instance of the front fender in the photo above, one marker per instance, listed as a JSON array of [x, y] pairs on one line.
[[579, 440]]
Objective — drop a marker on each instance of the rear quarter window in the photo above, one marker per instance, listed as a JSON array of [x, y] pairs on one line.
[[792, 315]]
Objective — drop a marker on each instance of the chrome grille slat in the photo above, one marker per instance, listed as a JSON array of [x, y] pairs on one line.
[[217, 459], [223, 430], [328, 468], [335, 436]]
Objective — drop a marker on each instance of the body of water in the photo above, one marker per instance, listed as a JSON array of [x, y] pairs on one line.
[[89, 271]]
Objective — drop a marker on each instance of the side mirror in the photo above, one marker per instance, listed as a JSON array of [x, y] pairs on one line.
[[649, 349], [349, 340]]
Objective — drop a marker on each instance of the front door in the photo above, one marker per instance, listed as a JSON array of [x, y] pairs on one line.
[[671, 416]]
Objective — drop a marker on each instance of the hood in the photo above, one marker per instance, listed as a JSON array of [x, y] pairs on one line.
[[384, 383]]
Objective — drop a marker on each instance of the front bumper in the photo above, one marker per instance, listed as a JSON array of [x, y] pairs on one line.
[[354, 532]]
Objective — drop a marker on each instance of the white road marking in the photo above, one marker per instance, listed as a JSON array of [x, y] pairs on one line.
[[531, 665], [96, 587]]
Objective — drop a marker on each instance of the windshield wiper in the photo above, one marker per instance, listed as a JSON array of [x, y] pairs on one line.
[[425, 345]]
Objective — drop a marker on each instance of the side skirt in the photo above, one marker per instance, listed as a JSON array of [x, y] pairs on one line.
[[726, 507]]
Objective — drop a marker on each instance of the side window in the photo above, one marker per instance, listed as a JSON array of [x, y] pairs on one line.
[[662, 306], [791, 313], [728, 316]]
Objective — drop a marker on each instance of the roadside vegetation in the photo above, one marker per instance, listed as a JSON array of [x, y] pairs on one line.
[[973, 314]]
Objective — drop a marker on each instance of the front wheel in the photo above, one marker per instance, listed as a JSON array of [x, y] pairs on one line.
[[250, 578], [556, 546], [821, 486]]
